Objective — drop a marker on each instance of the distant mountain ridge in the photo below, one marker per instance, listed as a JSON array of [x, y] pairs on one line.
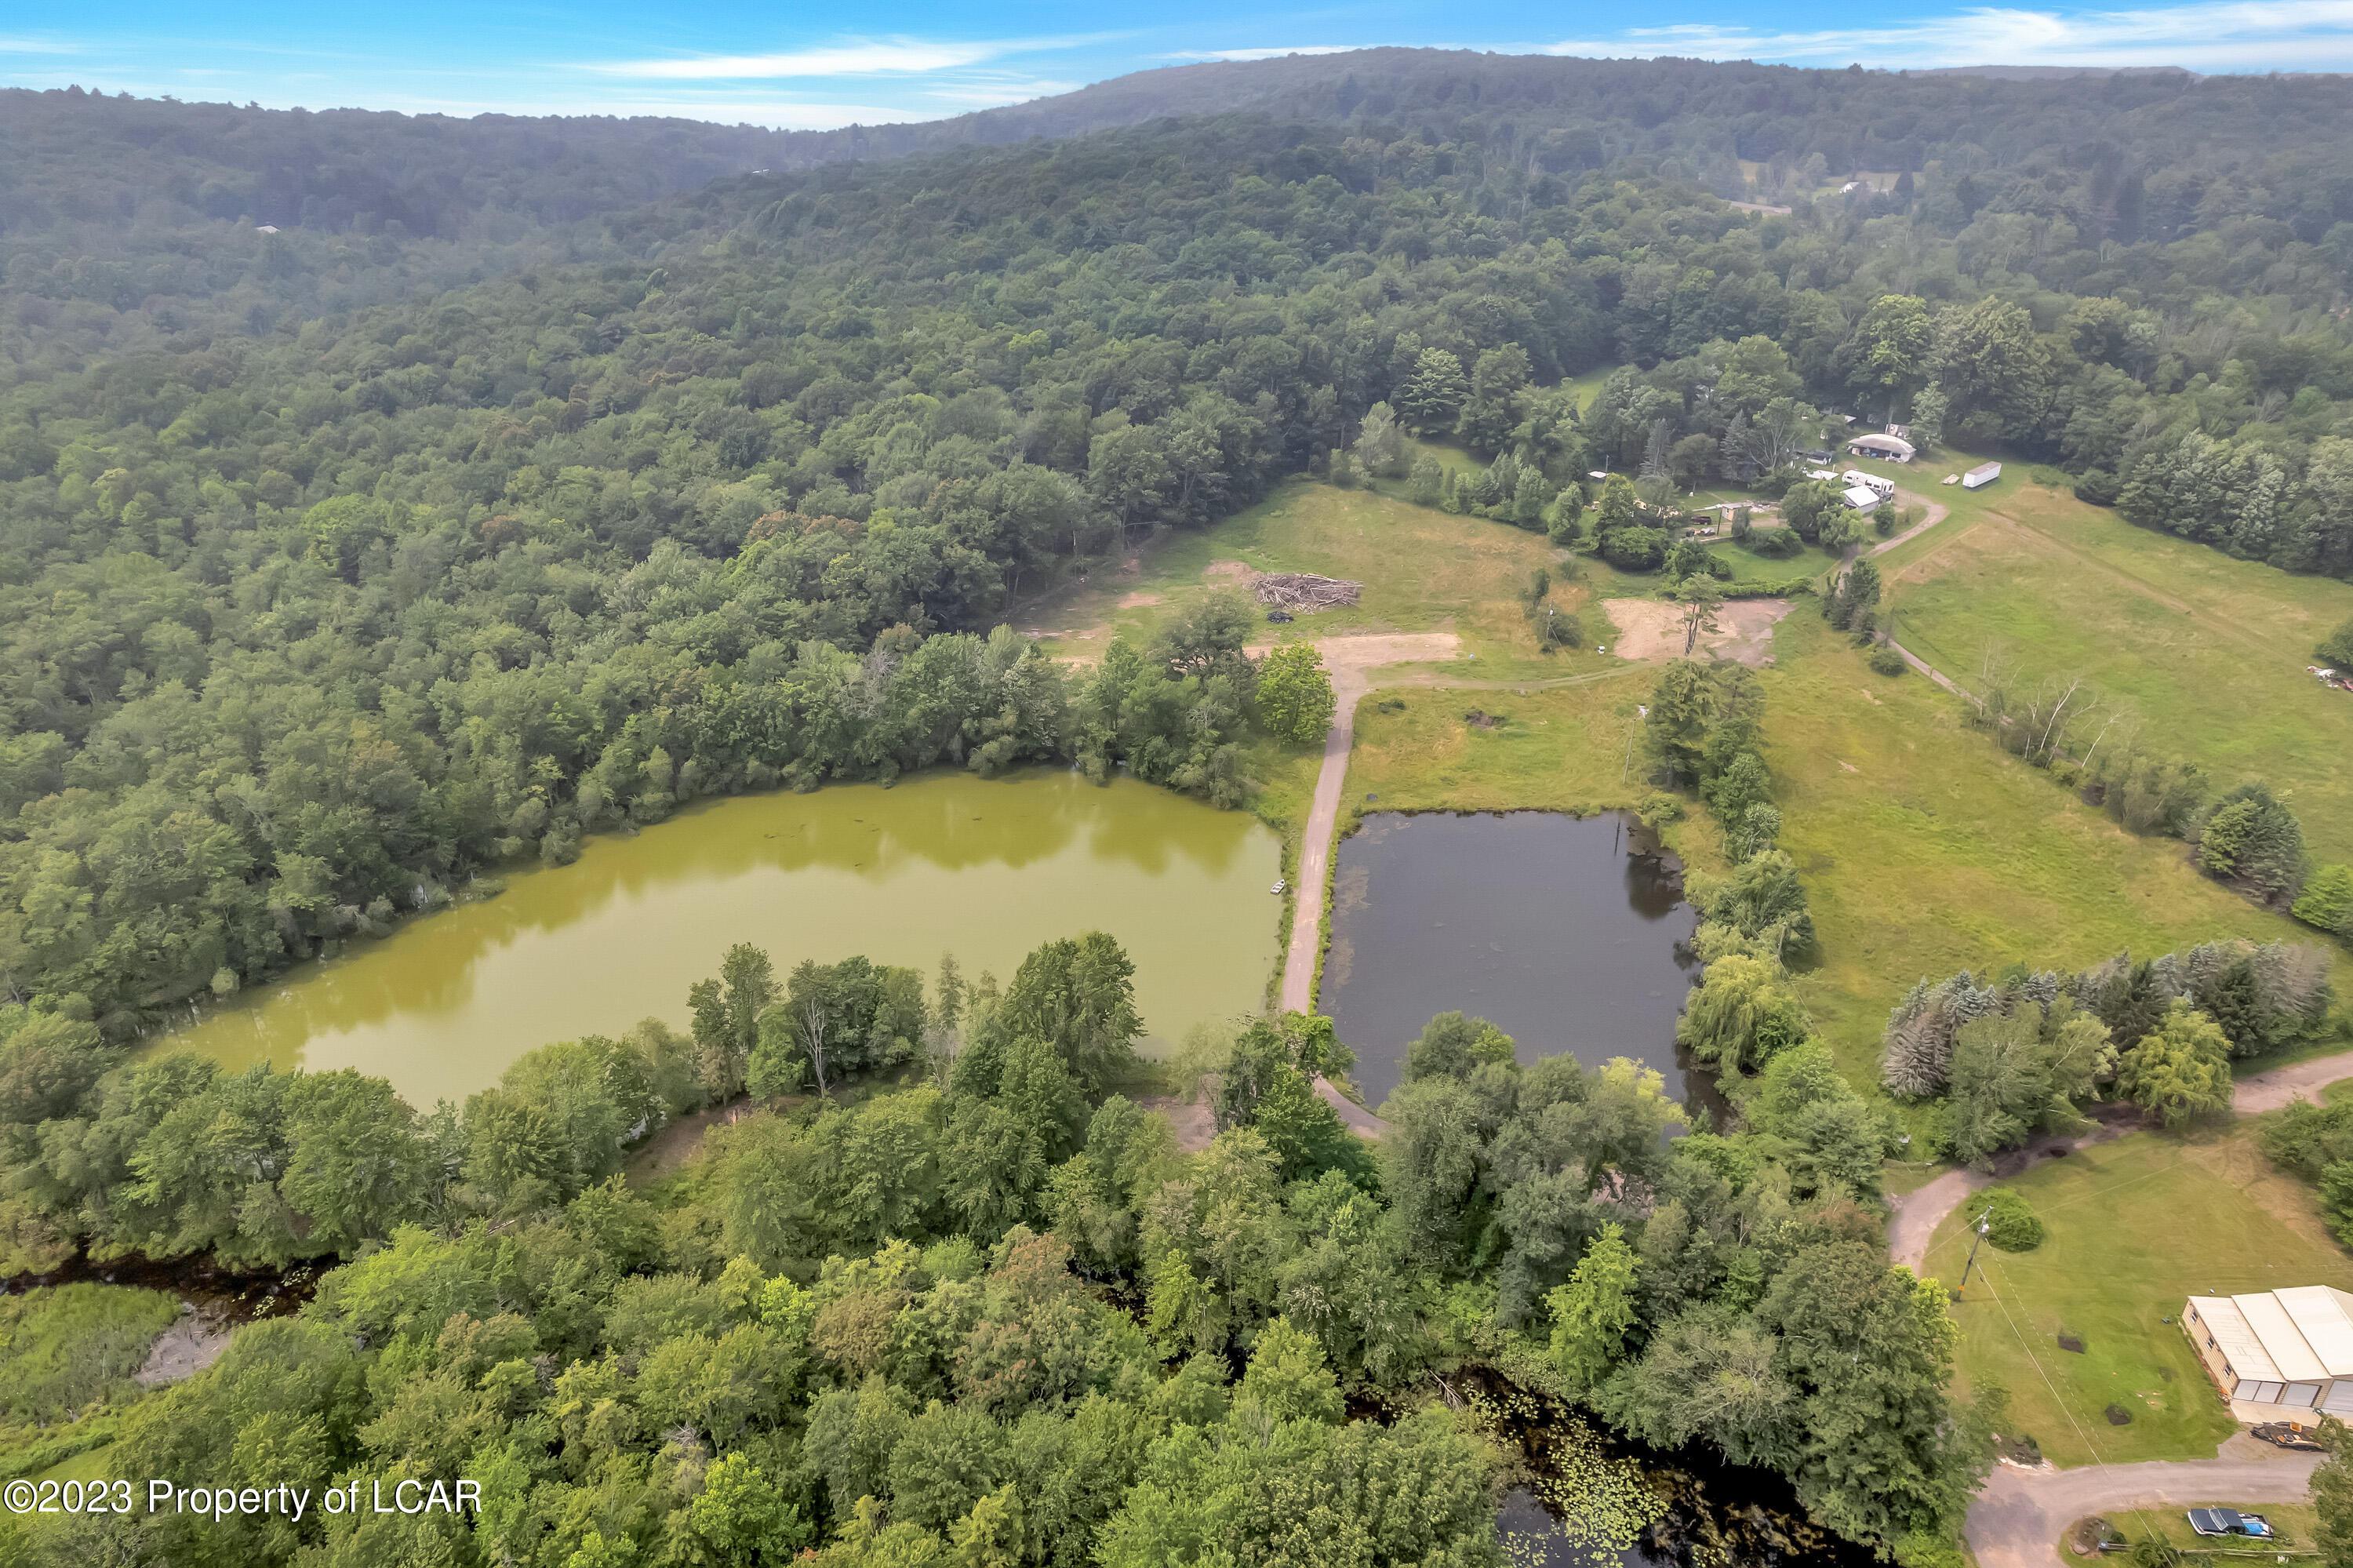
[[431, 176], [2059, 73]]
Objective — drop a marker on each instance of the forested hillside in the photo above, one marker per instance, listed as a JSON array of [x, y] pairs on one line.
[[301, 626], [130, 219], [2124, 156], [990, 1312], [125, 220]]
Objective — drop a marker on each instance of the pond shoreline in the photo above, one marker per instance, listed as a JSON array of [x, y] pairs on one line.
[[1566, 934], [987, 870], [1706, 1508]]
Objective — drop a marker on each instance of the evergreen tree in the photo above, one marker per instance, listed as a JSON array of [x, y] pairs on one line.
[[2250, 837]]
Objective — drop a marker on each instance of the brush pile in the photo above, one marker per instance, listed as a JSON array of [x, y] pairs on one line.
[[1301, 592]]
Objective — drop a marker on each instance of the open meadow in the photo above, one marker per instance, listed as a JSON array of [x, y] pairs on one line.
[[1928, 849], [1423, 570], [2206, 653]]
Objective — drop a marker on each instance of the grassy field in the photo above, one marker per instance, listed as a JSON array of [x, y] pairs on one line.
[[2240, 1225], [1926, 849], [1423, 570], [1747, 566], [2208, 651], [1588, 386], [1561, 750]]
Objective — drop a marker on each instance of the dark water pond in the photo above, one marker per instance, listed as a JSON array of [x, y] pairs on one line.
[[1567, 933], [1582, 1497], [1710, 1517]]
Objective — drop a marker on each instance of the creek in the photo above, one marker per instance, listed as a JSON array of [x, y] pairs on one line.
[[1567, 933], [986, 869]]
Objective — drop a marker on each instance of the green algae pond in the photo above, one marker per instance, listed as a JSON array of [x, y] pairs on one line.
[[986, 869]]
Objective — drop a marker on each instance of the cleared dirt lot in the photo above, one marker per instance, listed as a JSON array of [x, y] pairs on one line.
[[1647, 629]]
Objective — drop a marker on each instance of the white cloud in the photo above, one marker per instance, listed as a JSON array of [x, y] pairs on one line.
[[2295, 35], [878, 57], [898, 57], [12, 46]]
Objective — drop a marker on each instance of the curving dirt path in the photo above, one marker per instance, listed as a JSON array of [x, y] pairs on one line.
[[1919, 1212], [1350, 661], [1936, 513], [2016, 1518], [1362, 1122], [2270, 1091]]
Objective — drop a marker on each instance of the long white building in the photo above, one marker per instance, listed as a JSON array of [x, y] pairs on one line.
[[2288, 1350]]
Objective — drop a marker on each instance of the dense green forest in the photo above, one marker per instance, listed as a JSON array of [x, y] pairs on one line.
[[534, 480], [981, 1309], [132, 219], [304, 625]]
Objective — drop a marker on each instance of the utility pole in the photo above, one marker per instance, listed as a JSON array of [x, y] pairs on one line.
[[1984, 1223]]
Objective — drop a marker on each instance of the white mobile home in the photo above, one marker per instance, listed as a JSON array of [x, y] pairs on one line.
[[1896, 449], [2288, 1350], [1978, 477], [1885, 487]]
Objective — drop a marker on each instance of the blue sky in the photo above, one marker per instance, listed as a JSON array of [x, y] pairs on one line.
[[823, 64]]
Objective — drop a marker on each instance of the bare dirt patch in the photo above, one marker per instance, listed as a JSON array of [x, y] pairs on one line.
[[1648, 630], [1137, 600], [183, 1350], [1195, 1126], [1226, 572]]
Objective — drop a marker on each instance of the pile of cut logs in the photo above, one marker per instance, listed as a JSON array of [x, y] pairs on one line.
[[1300, 592]]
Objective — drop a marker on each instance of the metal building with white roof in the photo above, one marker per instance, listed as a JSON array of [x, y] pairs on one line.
[[2290, 1350]]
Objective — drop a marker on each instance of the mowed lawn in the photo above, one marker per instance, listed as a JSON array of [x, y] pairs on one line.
[[1926, 849], [2208, 651], [2132, 1228]]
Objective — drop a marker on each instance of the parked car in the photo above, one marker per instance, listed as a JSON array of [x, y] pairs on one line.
[[2228, 1522]]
